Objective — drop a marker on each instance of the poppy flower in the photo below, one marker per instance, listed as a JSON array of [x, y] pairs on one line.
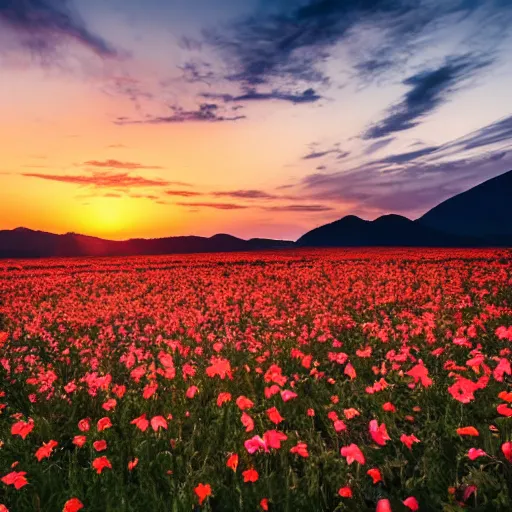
[[232, 462], [22, 428], [468, 431], [3, 508], [389, 407], [263, 503], [506, 448], [84, 425], [79, 441], [378, 432], [247, 422], [45, 450], [383, 505], [300, 449], [351, 413], [345, 492], [310, 412], [191, 391], [352, 453], [288, 395], [203, 491], [504, 410], [474, 453], [375, 475], [73, 505], [412, 503], [274, 416], [100, 446], [104, 423], [15, 478], [507, 397], [223, 398], [409, 440], [250, 475], [273, 438], [132, 463], [100, 463], [243, 403], [350, 371], [254, 444], [158, 422], [141, 422]]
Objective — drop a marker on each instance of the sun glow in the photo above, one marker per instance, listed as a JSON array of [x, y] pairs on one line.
[[108, 215]]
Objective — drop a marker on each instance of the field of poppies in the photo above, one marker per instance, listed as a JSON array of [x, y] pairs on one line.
[[334, 380]]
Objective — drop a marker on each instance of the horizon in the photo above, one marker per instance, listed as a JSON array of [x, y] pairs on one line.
[[259, 120]]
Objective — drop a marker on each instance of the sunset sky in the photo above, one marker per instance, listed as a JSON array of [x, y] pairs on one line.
[[131, 118]]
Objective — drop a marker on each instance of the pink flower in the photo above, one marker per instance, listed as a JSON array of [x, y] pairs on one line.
[[158, 422], [353, 453], [379, 433], [474, 453], [412, 503]]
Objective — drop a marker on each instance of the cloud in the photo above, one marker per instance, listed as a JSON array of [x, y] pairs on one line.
[[43, 25], [217, 206], [206, 112], [299, 208], [307, 96], [494, 133], [182, 193], [402, 158], [290, 42], [102, 179], [379, 144], [319, 154], [427, 91], [116, 164], [245, 194]]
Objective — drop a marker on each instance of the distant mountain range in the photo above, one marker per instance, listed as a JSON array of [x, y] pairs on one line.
[[481, 216]]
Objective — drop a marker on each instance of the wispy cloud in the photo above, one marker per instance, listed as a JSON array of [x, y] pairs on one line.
[[306, 96], [117, 164], [182, 193], [43, 25], [299, 208], [427, 91], [217, 206], [245, 194], [206, 112], [102, 179]]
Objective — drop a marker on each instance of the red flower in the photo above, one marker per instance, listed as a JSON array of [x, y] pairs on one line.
[[273, 438], [389, 407], [203, 491], [232, 462], [506, 448], [141, 422], [132, 463], [223, 398], [263, 503], [22, 428], [109, 404], [474, 453], [420, 373], [84, 425], [409, 440], [254, 444], [250, 475], [504, 410], [350, 371], [45, 450], [16, 478], [100, 463], [375, 474], [191, 391], [247, 422], [383, 505], [345, 492], [287, 395], [379, 433], [99, 446], [158, 422], [311, 412], [3, 508], [104, 423], [351, 413], [353, 453], [73, 505], [244, 403], [412, 503], [79, 441], [468, 431], [274, 416], [300, 449]]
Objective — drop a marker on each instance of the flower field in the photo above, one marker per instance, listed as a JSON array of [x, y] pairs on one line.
[[333, 380]]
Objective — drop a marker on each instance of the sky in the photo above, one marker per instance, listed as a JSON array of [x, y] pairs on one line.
[[258, 118]]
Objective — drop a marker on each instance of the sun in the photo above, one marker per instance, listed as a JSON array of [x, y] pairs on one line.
[[107, 216]]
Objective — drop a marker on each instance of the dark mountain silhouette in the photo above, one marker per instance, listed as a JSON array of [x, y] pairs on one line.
[[481, 216], [388, 230], [483, 211], [26, 243]]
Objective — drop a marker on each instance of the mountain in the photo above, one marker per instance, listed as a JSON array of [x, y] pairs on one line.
[[483, 211], [388, 230], [26, 243]]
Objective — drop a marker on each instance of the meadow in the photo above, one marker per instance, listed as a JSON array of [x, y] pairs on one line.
[[313, 380]]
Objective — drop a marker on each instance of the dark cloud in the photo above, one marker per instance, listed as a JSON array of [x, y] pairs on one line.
[[289, 41], [116, 164], [402, 158], [379, 144], [245, 194], [427, 91], [207, 112], [307, 96], [217, 206], [494, 133], [43, 25], [182, 193], [198, 72], [102, 179]]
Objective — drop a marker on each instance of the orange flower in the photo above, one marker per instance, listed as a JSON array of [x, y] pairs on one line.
[[468, 431], [203, 491], [16, 478], [22, 428]]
